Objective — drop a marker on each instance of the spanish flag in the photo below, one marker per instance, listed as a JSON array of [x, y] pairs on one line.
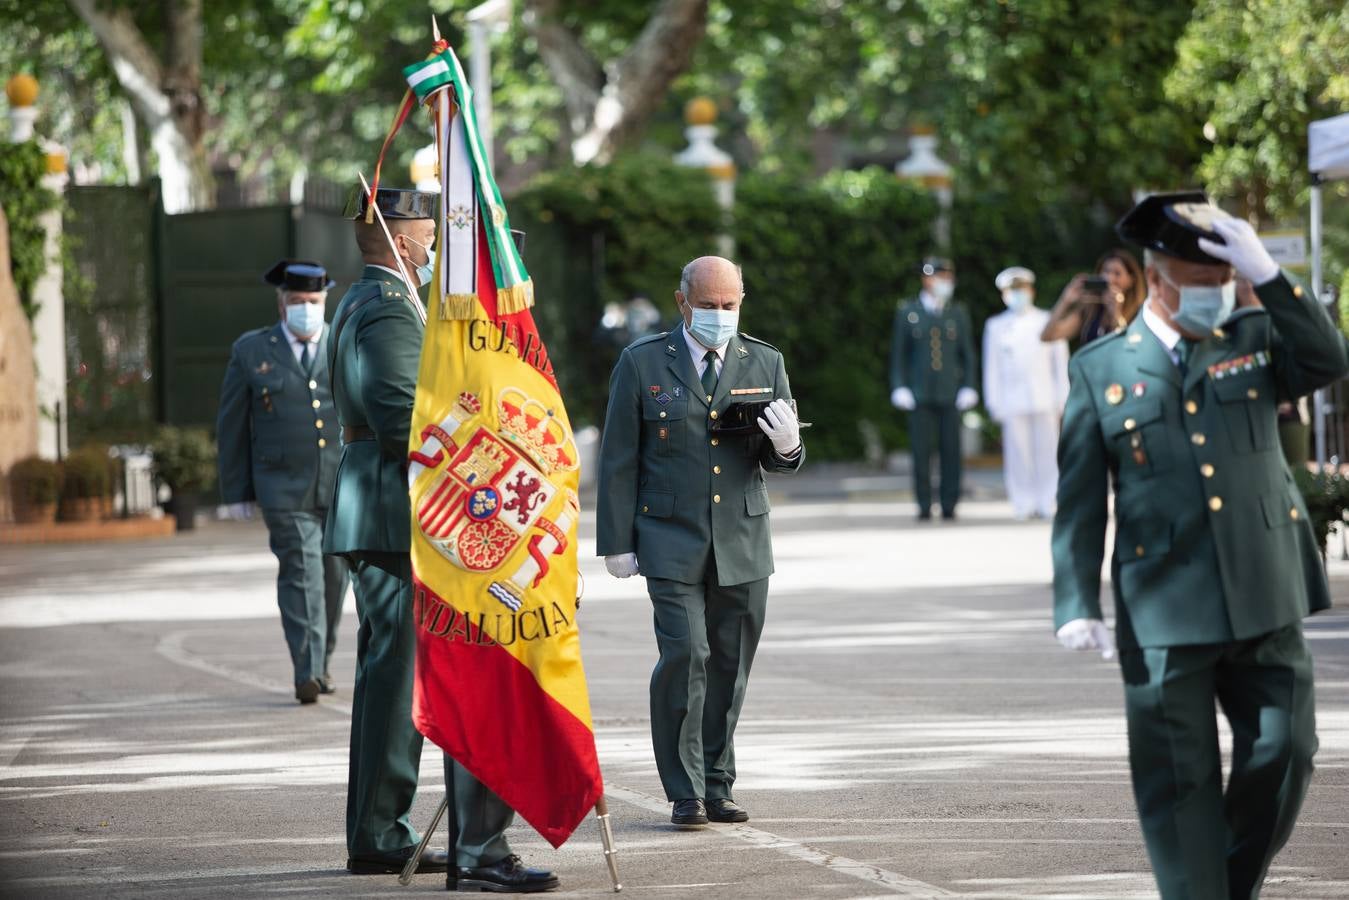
[[493, 480]]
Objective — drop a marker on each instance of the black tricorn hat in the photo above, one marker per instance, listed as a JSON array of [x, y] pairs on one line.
[[934, 264], [1172, 224], [394, 203], [299, 275], [741, 417]]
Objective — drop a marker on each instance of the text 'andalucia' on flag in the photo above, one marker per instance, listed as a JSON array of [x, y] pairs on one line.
[[493, 475]]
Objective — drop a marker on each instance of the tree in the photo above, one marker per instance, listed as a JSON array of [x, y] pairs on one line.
[[165, 89], [608, 104]]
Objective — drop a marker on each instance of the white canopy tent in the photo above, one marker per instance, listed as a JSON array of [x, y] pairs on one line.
[[1327, 160]]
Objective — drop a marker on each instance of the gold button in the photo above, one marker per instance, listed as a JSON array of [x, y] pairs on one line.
[[646, 509], [662, 413], [1130, 424], [318, 423], [1215, 503], [315, 404], [716, 470], [713, 414], [1252, 393], [716, 441], [1139, 550], [1207, 470], [1293, 514], [936, 332], [716, 498], [1191, 407], [313, 385], [1297, 290], [1198, 439], [936, 366], [322, 443]]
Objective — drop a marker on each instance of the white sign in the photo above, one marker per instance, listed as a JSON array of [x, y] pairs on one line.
[[1289, 248]]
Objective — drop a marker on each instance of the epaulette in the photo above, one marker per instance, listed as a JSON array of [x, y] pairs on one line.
[[1246, 312], [1102, 341], [649, 339], [253, 333], [753, 340]]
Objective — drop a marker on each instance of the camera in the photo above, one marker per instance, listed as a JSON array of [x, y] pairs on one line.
[[1095, 285]]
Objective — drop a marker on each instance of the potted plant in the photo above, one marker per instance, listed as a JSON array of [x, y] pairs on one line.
[[1327, 497], [34, 486], [88, 482], [185, 461]]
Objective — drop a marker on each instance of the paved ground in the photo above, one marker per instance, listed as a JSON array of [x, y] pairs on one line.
[[911, 729]]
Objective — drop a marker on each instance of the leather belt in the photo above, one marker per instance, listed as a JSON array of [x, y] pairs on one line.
[[352, 433]]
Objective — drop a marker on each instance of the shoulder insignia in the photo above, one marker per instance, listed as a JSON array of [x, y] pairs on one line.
[[762, 343]]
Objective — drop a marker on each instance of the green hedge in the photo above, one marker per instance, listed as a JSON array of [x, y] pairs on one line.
[[824, 266]]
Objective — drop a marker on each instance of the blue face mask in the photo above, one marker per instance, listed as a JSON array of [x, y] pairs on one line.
[[304, 319], [1016, 299], [1203, 307], [714, 327], [427, 270]]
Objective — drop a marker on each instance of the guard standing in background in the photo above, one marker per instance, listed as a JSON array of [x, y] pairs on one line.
[[374, 354], [1025, 387], [932, 377], [1215, 562], [277, 437]]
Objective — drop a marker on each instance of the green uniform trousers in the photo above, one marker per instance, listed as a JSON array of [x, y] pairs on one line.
[[943, 421], [310, 588], [1205, 845], [707, 635], [385, 746]]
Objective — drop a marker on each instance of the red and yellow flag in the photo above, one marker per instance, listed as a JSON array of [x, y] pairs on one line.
[[493, 481]]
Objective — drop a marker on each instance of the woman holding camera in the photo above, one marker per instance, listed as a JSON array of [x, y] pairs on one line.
[[1092, 306]]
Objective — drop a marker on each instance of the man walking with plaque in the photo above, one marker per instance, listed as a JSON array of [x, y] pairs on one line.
[[695, 418]]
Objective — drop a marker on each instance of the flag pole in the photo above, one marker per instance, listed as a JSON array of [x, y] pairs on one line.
[[384, 226], [415, 859], [607, 840]]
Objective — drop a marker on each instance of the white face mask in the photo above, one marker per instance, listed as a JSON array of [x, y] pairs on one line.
[[942, 289], [304, 319], [1203, 307], [714, 327], [1016, 299]]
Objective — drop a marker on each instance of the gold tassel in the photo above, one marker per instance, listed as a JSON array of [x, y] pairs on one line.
[[460, 307], [516, 298]]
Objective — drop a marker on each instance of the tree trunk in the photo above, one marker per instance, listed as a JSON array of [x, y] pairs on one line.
[[166, 95], [609, 106]]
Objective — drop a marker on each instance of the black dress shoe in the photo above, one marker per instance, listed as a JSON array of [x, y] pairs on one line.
[[433, 860], [726, 810], [327, 685], [308, 691], [509, 876], [689, 813], [925, 515], [949, 515]]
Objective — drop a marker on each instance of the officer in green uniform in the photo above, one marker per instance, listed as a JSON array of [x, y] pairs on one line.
[[1215, 563], [932, 376], [373, 356], [682, 501], [277, 436]]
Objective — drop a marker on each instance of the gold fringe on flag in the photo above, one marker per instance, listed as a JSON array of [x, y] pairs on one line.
[[460, 307], [516, 298]]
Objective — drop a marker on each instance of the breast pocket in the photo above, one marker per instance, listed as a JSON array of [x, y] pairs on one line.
[[1137, 434], [1249, 410], [665, 424], [266, 390]]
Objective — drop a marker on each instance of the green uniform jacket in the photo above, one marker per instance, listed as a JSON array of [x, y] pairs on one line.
[[669, 489], [933, 356], [1212, 542], [276, 429], [374, 368]]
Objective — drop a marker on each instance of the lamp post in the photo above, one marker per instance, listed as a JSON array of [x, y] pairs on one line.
[[484, 20], [700, 114], [925, 168]]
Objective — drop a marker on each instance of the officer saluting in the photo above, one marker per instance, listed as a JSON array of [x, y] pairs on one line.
[[375, 348], [277, 436], [932, 377], [1215, 563], [682, 501]]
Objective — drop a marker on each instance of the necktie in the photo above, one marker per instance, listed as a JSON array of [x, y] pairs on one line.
[[305, 358], [1183, 348], [710, 374]]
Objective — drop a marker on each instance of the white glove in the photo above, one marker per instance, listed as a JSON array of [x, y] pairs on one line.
[[624, 565], [902, 398], [1243, 250], [1087, 634], [779, 422], [238, 512], [967, 398]]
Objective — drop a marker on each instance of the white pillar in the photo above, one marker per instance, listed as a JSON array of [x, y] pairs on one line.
[[49, 334], [484, 20]]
